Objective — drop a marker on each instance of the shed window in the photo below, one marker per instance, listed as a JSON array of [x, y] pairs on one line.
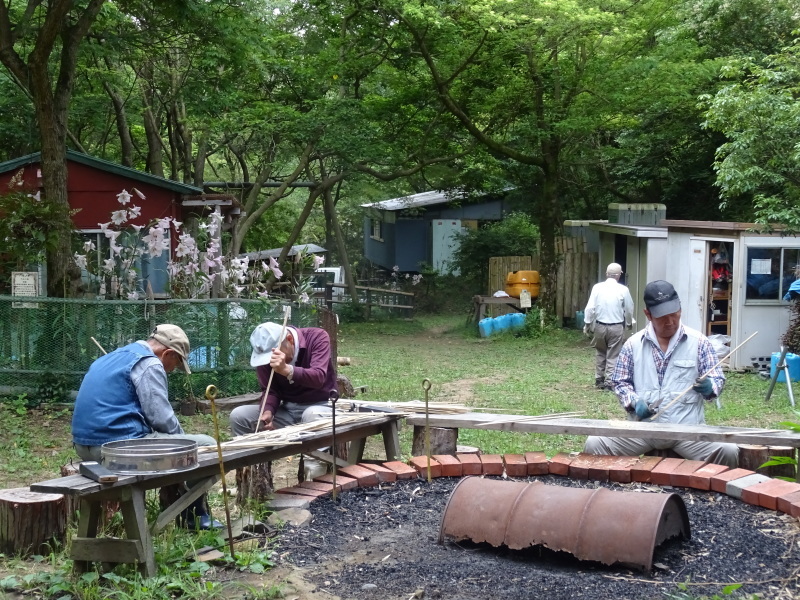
[[770, 272], [152, 270], [377, 230]]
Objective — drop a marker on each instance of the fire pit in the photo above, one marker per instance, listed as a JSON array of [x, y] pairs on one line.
[[383, 543]]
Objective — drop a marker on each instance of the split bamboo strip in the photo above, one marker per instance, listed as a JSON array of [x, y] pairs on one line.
[[532, 419]]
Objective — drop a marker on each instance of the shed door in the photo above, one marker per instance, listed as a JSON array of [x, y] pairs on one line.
[[444, 243], [693, 311]]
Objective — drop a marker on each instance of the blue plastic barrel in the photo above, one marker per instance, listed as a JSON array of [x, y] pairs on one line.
[[579, 323], [792, 361], [517, 321], [502, 323], [486, 327]]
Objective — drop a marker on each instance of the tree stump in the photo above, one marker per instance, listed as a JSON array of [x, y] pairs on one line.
[[444, 440], [254, 483], [344, 386], [752, 456], [28, 520], [73, 503]]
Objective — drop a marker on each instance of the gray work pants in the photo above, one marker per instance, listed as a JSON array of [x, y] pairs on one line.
[[607, 342], [719, 453], [243, 420]]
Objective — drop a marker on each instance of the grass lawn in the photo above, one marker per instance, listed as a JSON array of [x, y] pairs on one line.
[[549, 374]]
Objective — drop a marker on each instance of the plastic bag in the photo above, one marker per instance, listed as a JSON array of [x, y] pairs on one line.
[[721, 344]]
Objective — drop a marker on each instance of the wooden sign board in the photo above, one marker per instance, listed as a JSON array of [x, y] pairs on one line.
[[24, 283], [524, 299]]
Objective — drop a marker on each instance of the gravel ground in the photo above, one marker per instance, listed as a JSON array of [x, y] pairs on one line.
[[382, 543]]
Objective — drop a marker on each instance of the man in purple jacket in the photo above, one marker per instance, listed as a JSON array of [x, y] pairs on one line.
[[304, 375]]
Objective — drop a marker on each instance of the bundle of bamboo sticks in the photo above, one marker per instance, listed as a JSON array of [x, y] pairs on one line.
[[293, 434]]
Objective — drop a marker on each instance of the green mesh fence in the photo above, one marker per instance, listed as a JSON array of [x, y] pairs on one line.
[[46, 344]]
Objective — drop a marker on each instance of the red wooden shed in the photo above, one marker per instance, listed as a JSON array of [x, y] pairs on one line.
[[93, 185]]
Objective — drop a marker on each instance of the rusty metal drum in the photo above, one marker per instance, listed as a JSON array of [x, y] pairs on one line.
[[591, 524]]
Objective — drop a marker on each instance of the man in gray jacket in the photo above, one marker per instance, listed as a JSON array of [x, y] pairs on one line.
[[665, 374]]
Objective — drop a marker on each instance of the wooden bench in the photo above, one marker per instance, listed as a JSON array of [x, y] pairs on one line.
[[129, 491]]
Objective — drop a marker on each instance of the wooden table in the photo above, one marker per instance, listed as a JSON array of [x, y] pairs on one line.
[[621, 428], [479, 304], [129, 491]]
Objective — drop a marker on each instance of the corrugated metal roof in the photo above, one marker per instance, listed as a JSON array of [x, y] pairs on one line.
[[276, 252], [108, 166], [417, 200]]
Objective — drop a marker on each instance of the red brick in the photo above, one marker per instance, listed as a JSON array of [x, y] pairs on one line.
[[662, 472], [492, 464], [471, 464], [559, 464], [342, 482], [420, 463], [384, 474], [515, 465], [682, 476], [537, 463], [402, 470], [766, 494], [720, 481], [316, 485], [701, 479], [596, 467], [365, 477], [451, 466], [640, 471], [620, 470], [300, 491], [790, 504], [579, 467]]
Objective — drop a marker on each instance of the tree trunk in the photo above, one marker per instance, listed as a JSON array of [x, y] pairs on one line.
[[752, 456], [254, 483], [444, 440], [123, 129], [28, 520]]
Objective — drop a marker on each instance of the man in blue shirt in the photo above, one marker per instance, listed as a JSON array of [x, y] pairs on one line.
[[124, 396]]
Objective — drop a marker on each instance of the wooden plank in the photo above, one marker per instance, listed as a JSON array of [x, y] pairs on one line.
[[106, 550], [572, 426]]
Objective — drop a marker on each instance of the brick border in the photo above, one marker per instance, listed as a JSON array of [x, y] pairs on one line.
[[772, 494]]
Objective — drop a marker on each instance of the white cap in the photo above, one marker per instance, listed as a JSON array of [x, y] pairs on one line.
[[614, 269], [264, 339]]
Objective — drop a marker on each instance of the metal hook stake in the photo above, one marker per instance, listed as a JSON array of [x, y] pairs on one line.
[[334, 396], [211, 395], [426, 385]]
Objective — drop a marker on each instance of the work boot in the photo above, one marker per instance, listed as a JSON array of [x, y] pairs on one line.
[[600, 383], [197, 516]]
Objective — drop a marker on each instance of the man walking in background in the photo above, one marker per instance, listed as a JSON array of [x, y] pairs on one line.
[[610, 308]]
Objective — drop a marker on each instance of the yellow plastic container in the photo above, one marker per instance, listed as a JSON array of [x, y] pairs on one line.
[[516, 281]]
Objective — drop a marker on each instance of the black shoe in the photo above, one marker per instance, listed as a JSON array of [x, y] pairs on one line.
[[202, 523], [600, 383]]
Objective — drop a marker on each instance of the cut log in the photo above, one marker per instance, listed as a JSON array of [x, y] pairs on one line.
[[73, 503], [344, 386], [468, 450], [444, 440], [29, 520], [254, 483], [752, 456], [228, 403]]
